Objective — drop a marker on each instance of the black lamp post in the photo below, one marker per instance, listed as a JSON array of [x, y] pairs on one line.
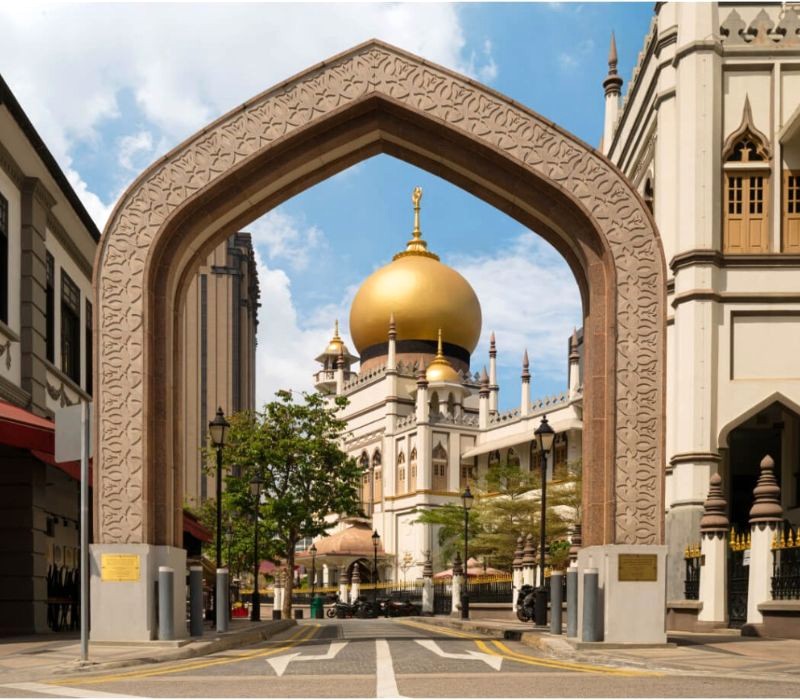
[[313, 550], [218, 429], [255, 490], [466, 500], [375, 539], [545, 435]]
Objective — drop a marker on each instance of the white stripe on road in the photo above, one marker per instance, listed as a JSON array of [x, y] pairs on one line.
[[494, 661], [384, 671], [63, 691]]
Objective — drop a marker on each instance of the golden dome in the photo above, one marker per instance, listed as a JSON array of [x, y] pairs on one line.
[[440, 369], [336, 347], [423, 294]]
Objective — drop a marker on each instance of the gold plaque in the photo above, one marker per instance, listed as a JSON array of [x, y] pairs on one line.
[[638, 567], [119, 567]]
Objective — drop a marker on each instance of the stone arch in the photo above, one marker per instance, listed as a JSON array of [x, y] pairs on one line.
[[774, 397], [375, 99]]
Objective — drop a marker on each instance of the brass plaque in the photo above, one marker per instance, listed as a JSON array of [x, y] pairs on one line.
[[119, 567], [637, 567]]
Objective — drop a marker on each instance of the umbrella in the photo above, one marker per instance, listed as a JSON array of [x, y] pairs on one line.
[[474, 568]]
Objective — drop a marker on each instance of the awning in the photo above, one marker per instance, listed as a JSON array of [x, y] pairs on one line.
[[195, 528]]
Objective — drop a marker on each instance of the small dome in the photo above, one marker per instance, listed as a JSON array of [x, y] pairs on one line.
[[335, 347], [440, 370]]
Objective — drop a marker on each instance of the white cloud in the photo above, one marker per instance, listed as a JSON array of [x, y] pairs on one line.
[[282, 237], [530, 299], [183, 65], [571, 60], [132, 146]]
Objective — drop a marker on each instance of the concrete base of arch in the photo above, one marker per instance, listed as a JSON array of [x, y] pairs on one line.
[[127, 610]]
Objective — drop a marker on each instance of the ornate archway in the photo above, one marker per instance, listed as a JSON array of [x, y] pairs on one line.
[[376, 99]]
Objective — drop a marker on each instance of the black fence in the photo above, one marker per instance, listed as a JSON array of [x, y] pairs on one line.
[[691, 583], [786, 566], [490, 592], [400, 591], [738, 582], [63, 599], [442, 597]]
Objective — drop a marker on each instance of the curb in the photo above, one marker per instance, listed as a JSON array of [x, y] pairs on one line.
[[190, 650]]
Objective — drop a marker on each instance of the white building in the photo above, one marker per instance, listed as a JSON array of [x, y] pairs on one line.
[[709, 133]]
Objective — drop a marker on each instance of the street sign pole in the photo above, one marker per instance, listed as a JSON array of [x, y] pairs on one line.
[[84, 565]]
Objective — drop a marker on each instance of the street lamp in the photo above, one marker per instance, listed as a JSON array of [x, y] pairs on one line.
[[545, 435], [375, 539], [313, 550], [466, 500], [218, 429], [255, 490]]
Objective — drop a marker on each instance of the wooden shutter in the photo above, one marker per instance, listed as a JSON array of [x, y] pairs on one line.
[[746, 213], [791, 211]]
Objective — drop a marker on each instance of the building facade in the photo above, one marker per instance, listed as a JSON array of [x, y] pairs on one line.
[[709, 132]]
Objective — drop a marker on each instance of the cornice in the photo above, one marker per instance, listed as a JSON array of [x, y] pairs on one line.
[[735, 297], [66, 242], [11, 167], [65, 381], [40, 193], [690, 457], [709, 256]]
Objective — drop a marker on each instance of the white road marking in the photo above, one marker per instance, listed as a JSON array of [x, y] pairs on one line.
[[494, 661], [63, 691], [279, 663], [384, 671]]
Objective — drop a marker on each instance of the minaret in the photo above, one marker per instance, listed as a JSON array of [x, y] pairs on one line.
[[493, 387], [525, 396], [613, 89], [340, 372], [574, 365], [483, 403], [422, 405], [391, 382], [325, 378], [391, 359], [424, 476]]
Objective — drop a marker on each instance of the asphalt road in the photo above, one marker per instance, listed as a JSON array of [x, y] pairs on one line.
[[391, 658]]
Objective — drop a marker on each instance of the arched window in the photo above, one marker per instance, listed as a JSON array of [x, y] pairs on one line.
[[401, 474], [366, 486], [434, 404], [412, 469], [494, 458], [746, 178], [512, 458], [451, 405], [439, 468], [377, 486], [560, 469]]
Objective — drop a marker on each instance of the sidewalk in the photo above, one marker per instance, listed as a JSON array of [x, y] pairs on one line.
[[725, 653], [39, 656]]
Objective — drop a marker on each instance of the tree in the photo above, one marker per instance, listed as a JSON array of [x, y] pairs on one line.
[[294, 449]]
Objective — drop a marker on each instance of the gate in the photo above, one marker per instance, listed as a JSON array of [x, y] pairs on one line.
[[738, 578], [442, 597]]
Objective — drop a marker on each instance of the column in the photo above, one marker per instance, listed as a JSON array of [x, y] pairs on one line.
[[483, 401], [458, 574], [525, 394], [494, 389], [343, 585], [355, 586], [427, 585], [516, 572], [714, 528], [528, 562]]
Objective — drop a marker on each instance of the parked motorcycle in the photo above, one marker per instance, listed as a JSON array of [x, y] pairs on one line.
[[525, 603], [340, 609], [388, 607]]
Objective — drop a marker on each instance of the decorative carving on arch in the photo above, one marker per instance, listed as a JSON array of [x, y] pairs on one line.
[[745, 138], [632, 404]]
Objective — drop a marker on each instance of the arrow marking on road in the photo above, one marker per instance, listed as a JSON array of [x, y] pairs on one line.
[[494, 661], [279, 663]]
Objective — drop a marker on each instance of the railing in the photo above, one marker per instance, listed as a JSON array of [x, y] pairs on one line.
[[691, 583], [738, 578], [786, 565], [494, 591]]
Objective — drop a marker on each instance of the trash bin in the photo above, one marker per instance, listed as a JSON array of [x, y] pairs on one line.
[[316, 612]]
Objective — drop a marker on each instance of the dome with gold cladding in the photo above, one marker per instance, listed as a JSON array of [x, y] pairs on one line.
[[423, 294]]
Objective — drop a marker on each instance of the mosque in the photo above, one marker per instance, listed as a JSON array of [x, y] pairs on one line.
[[421, 421]]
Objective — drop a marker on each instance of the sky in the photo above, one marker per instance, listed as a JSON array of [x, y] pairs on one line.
[[112, 87]]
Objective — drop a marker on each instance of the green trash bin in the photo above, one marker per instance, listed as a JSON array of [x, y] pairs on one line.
[[316, 608]]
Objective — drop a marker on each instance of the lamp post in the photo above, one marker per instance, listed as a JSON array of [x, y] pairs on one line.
[[545, 435], [218, 429], [466, 500], [255, 490], [375, 539], [313, 550]]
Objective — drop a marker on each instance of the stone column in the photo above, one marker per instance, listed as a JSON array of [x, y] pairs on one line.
[[766, 517], [494, 389], [525, 393], [516, 575], [340, 372], [427, 585], [483, 401], [574, 365], [458, 573], [528, 562], [714, 528], [278, 598], [343, 585], [355, 586]]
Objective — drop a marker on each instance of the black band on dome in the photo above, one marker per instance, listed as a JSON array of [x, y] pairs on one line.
[[427, 347]]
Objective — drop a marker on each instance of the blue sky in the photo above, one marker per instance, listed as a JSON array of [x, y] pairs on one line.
[[134, 80]]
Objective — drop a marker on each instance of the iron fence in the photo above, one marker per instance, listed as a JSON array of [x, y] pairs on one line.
[[786, 565], [499, 591], [738, 578], [691, 582], [442, 597]]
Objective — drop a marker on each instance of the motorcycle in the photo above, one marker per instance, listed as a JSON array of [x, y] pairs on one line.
[[525, 603], [389, 607], [340, 609]]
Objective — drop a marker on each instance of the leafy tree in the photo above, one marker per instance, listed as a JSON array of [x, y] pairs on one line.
[[294, 449]]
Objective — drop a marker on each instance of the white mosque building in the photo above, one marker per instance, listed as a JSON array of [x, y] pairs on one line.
[[421, 421]]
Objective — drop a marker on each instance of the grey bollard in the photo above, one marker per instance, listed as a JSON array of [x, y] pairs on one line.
[[556, 595], [590, 631], [222, 602], [166, 606], [572, 601], [196, 601]]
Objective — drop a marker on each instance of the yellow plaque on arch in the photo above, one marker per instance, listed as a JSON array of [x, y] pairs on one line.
[[637, 567], [119, 567]]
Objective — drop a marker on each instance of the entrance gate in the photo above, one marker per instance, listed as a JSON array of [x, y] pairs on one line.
[[442, 597], [738, 578]]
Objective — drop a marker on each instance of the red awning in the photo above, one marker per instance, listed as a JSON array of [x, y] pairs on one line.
[[195, 528]]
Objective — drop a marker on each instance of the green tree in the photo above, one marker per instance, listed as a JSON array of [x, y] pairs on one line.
[[293, 447]]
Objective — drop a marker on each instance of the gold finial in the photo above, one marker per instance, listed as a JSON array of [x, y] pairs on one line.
[[416, 246], [416, 196], [439, 352], [336, 329]]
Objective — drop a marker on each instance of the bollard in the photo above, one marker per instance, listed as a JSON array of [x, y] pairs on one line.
[[196, 601], [298, 614], [556, 594], [166, 599], [222, 605], [276, 614], [572, 601], [590, 631]]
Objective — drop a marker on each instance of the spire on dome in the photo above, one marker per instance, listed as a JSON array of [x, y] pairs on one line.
[[417, 245], [612, 83], [612, 55], [440, 369]]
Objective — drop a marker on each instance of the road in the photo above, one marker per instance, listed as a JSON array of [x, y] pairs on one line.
[[391, 658]]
